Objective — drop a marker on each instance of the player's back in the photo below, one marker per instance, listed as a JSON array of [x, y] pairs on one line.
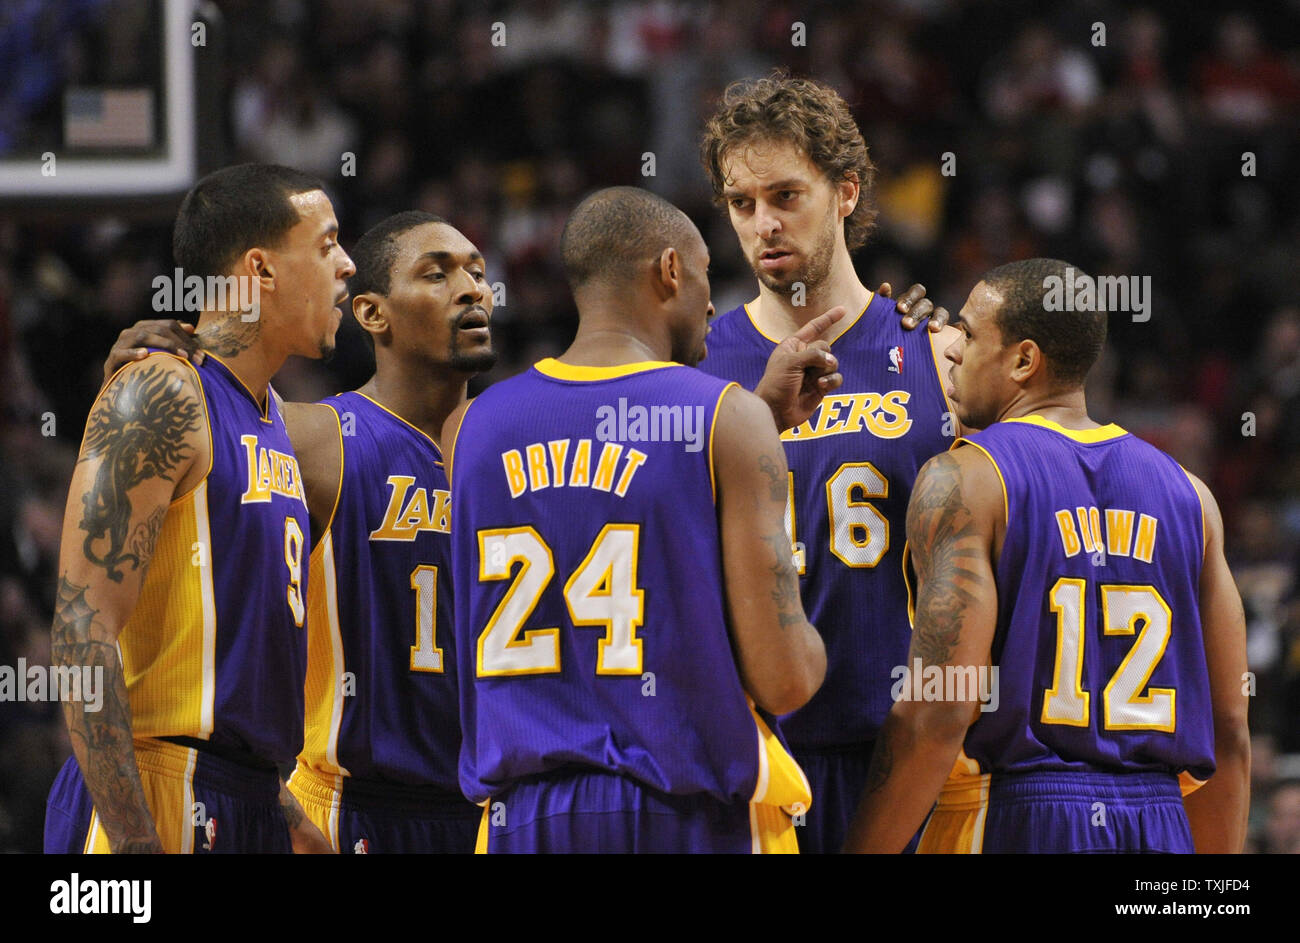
[[590, 620], [1102, 688]]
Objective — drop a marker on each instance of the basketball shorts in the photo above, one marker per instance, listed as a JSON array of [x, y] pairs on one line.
[[368, 817], [1060, 812], [838, 776], [596, 812], [201, 804]]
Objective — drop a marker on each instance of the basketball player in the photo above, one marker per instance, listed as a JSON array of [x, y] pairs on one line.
[[1086, 568], [786, 159], [378, 772], [183, 542], [618, 525]]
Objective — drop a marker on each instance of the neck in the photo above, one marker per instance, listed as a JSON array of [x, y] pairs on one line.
[[1067, 409], [242, 347], [778, 315], [422, 394], [612, 341]]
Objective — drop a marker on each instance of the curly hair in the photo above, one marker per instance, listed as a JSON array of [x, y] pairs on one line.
[[803, 112]]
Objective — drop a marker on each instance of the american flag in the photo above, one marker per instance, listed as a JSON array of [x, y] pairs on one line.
[[102, 117]]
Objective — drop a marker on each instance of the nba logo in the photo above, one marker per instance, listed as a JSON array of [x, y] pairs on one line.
[[896, 360], [362, 847], [210, 830]]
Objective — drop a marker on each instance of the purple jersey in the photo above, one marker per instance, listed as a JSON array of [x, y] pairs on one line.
[[851, 471], [589, 619], [1100, 656], [381, 686], [216, 646]]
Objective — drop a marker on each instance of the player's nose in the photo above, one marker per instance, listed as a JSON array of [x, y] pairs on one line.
[[765, 222], [348, 269]]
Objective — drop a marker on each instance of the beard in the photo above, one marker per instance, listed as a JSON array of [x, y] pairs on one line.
[[471, 361], [814, 271]]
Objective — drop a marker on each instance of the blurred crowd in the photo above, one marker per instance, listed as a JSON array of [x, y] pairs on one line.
[[1147, 140]]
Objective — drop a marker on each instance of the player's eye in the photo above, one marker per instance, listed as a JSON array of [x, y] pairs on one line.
[[787, 195], [739, 202], [479, 276], [435, 276]]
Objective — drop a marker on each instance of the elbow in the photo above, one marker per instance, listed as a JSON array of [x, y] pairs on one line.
[[795, 687]]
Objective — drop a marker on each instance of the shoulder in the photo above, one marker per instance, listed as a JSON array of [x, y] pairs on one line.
[[162, 391], [312, 427], [963, 478]]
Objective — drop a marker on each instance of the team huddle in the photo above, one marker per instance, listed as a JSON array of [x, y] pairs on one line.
[[797, 577]]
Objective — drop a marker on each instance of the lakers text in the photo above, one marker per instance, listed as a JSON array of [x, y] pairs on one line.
[[946, 683], [72, 683]]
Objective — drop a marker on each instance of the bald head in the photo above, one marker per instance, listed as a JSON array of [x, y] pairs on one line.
[[614, 232]]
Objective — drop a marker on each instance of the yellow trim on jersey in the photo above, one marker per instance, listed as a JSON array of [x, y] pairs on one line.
[[167, 775], [404, 422], [713, 484], [323, 689], [1188, 784], [168, 645], [343, 459], [557, 370], [1087, 436], [1006, 503], [907, 584], [264, 407], [871, 296]]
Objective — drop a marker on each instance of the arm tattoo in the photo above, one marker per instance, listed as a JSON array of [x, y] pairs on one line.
[[293, 813], [786, 591], [102, 740], [230, 336], [138, 431], [776, 484], [945, 546]]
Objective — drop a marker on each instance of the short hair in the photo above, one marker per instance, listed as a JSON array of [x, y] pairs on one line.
[[375, 252], [233, 210], [806, 113], [615, 230], [1071, 341]]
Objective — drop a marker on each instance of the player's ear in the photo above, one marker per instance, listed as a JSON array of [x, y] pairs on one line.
[[256, 263], [668, 273], [370, 313], [848, 192], [1028, 361]]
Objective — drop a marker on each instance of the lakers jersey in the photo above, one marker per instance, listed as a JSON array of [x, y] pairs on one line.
[[590, 625], [1101, 662], [381, 681], [851, 471], [216, 646]]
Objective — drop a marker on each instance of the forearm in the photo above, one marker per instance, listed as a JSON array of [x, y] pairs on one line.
[[303, 833], [102, 739], [909, 766], [1217, 812]]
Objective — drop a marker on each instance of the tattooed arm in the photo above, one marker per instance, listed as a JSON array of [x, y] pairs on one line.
[[780, 655], [145, 442], [306, 837], [952, 520]]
